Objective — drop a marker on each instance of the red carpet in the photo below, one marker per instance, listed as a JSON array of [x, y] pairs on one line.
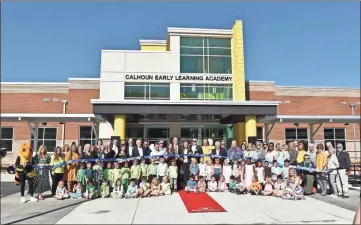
[[200, 203]]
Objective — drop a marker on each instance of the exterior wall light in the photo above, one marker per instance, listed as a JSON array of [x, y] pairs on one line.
[[296, 124]]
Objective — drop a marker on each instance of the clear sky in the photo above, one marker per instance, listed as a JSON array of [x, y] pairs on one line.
[[291, 43]]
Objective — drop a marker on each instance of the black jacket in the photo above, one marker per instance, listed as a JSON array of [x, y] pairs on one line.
[[222, 152], [135, 152], [344, 160]]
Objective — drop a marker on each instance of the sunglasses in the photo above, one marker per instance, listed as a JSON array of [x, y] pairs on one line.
[[307, 158], [339, 146]]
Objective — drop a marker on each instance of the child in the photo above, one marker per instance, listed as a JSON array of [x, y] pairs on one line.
[[116, 173], [227, 171], [88, 175], [267, 169], [249, 172], [212, 185], [255, 188], [202, 168], [135, 171], [259, 171], [240, 188], [165, 187], [191, 185], [173, 175], [222, 185], [61, 192], [268, 187], [80, 176], [144, 188], [125, 174], [236, 169], [91, 191], [118, 190], [143, 168], [132, 190], [285, 169], [217, 169], [104, 188], [155, 187], [202, 185], [98, 174], [209, 171], [152, 170], [275, 170], [108, 174], [242, 171], [194, 168], [77, 190], [162, 169], [280, 186], [232, 184]]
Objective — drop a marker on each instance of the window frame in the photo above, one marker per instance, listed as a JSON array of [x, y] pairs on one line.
[[262, 128], [43, 138], [147, 86], [305, 141], [92, 136], [206, 90], [334, 140], [6, 139]]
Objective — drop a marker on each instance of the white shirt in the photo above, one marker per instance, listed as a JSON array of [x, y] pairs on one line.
[[194, 147], [185, 159], [115, 148], [155, 153], [130, 150], [162, 169], [218, 151], [140, 150]]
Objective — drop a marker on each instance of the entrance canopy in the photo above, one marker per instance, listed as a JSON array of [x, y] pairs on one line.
[[187, 107]]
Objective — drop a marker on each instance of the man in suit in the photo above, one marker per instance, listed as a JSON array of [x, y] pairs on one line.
[[138, 150], [218, 150], [129, 149], [176, 145], [195, 148]]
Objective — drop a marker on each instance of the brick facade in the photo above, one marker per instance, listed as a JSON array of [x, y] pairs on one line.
[[29, 98]]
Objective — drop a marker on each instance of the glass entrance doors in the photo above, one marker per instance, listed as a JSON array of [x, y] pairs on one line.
[[149, 132]]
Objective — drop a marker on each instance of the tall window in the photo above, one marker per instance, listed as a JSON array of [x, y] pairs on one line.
[[86, 136], [147, 91], [299, 134], [260, 134], [206, 92], [205, 55], [7, 136], [47, 137], [335, 135]]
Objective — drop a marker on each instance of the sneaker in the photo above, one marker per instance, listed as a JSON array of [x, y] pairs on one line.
[[333, 196], [323, 194], [32, 199], [22, 200], [40, 197]]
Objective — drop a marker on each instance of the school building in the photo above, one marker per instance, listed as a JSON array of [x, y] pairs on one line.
[[191, 84]]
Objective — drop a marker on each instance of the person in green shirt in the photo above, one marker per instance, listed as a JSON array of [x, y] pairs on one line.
[[152, 171], [232, 184], [116, 174], [136, 171], [165, 187], [80, 176], [125, 174], [144, 169], [91, 191], [104, 189], [108, 174]]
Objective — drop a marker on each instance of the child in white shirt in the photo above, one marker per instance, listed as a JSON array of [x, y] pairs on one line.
[[212, 185]]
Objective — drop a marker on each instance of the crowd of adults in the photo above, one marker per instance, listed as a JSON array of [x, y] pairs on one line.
[[318, 167]]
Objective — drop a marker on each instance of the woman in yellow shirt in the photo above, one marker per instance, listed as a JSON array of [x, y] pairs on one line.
[[207, 149], [57, 172]]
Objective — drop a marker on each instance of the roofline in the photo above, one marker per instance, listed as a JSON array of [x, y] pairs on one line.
[[143, 42], [179, 30], [311, 117], [44, 116], [80, 79], [34, 83], [320, 87], [182, 102]]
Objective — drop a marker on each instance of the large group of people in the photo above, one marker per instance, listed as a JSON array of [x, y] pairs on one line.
[[127, 169]]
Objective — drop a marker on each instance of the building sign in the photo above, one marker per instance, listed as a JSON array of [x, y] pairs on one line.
[[135, 77]]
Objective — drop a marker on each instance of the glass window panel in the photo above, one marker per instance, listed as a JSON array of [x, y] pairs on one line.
[[50, 144], [135, 132], [85, 132], [219, 42], [290, 134], [219, 51], [191, 51], [159, 92], [191, 41], [40, 133], [158, 133], [134, 92], [214, 133], [260, 133], [340, 133], [191, 64], [50, 133], [189, 133], [219, 92], [328, 133], [83, 142], [302, 134], [6, 133], [192, 92], [221, 65], [8, 144]]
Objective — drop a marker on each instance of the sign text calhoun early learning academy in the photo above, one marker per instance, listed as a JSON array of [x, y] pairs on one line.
[[135, 77]]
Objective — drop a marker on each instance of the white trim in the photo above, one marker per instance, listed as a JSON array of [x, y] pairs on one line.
[[260, 81], [183, 102], [318, 87], [82, 79], [143, 42], [34, 83], [136, 51], [50, 117], [180, 30], [309, 119]]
